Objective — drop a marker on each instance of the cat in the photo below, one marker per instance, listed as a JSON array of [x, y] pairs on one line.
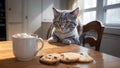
[[65, 24]]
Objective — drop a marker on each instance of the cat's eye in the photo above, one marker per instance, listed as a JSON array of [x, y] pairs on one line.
[[56, 23]]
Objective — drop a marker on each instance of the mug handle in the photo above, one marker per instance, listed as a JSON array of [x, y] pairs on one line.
[[41, 40]]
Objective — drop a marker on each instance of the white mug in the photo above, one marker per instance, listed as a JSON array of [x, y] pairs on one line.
[[26, 47]]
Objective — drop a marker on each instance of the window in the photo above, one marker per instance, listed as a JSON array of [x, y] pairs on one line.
[[89, 16], [113, 17], [112, 13], [110, 2], [89, 13], [106, 11], [89, 3]]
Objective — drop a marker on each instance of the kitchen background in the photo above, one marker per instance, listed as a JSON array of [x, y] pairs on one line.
[[35, 16]]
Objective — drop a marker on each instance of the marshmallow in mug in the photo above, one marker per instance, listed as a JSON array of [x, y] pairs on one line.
[[23, 35]]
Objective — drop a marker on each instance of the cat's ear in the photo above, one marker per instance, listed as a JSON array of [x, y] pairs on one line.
[[56, 13], [75, 12]]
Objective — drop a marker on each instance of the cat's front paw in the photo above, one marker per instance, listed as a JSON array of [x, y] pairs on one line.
[[52, 40], [66, 41]]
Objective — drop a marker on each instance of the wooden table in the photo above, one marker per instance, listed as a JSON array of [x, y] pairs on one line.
[[101, 60]]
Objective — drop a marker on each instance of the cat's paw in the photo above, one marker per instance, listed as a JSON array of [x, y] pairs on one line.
[[52, 40], [66, 41]]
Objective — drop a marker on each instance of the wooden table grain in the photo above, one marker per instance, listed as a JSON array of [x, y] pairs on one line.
[[101, 60]]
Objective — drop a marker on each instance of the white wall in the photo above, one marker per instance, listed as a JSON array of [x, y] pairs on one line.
[[47, 14], [111, 41], [41, 11], [27, 15], [34, 15], [47, 11]]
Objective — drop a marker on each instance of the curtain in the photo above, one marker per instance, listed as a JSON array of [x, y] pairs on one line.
[[71, 3], [77, 3]]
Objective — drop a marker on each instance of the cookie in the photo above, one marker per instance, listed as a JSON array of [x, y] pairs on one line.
[[69, 57], [84, 58], [53, 58]]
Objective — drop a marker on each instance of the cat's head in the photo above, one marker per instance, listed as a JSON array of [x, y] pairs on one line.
[[65, 20]]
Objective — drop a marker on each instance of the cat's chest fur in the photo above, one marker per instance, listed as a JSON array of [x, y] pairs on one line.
[[62, 36]]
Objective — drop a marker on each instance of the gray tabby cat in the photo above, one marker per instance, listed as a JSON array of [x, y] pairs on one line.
[[65, 23]]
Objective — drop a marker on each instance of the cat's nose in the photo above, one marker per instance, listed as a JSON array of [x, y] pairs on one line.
[[61, 27]]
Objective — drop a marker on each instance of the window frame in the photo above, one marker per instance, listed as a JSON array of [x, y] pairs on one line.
[[101, 8]]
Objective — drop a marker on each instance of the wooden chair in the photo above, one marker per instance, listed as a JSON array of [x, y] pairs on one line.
[[93, 27]]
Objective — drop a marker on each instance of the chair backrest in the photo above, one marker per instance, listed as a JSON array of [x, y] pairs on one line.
[[97, 27]]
